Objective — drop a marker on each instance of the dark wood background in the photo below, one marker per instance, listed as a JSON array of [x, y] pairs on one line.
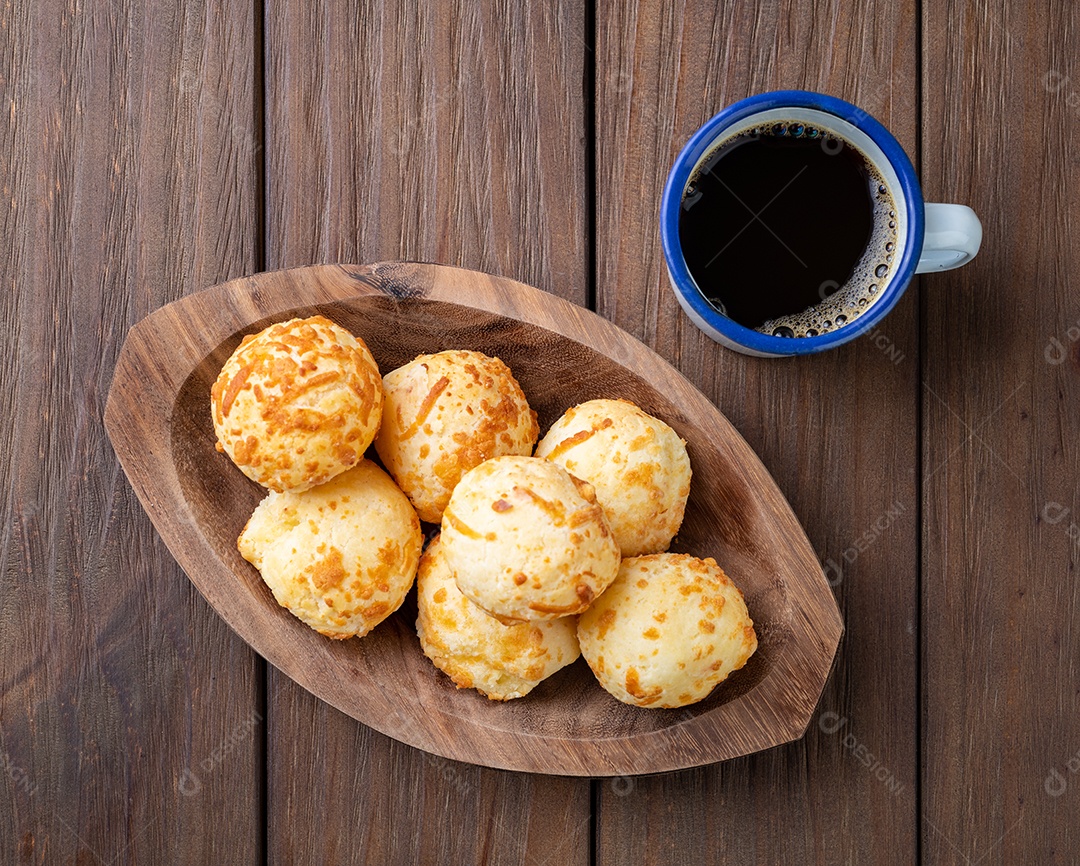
[[150, 149]]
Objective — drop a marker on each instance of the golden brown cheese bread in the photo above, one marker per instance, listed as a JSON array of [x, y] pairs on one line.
[[340, 556], [297, 403], [667, 631], [637, 464], [444, 414], [476, 650], [526, 541]]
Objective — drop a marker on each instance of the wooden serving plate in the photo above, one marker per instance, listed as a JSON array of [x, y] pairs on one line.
[[158, 419]]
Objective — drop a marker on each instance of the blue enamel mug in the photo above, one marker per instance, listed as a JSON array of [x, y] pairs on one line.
[[928, 236]]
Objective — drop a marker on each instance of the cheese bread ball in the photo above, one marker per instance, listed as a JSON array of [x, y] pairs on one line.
[[475, 649], [297, 403], [445, 414], [340, 556], [638, 465], [669, 629], [526, 541]]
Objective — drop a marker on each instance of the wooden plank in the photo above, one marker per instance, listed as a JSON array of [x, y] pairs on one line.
[[129, 178], [838, 432], [1000, 455], [443, 132]]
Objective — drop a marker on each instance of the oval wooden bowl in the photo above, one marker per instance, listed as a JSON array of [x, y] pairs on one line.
[[158, 419]]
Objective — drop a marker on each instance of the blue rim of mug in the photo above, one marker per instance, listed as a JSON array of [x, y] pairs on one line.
[[707, 136]]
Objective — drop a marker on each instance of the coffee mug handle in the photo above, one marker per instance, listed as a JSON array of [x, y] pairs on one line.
[[953, 236]]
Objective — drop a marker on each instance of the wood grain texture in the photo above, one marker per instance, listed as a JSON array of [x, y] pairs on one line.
[[838, 431], [1001, 772], [410, 806], [449, 132], [128, 180], [561, 355]]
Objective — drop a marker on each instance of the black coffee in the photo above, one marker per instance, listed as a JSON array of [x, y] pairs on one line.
[[788, 229]]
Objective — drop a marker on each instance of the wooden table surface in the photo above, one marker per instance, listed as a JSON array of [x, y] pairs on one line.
[[151, 149]]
